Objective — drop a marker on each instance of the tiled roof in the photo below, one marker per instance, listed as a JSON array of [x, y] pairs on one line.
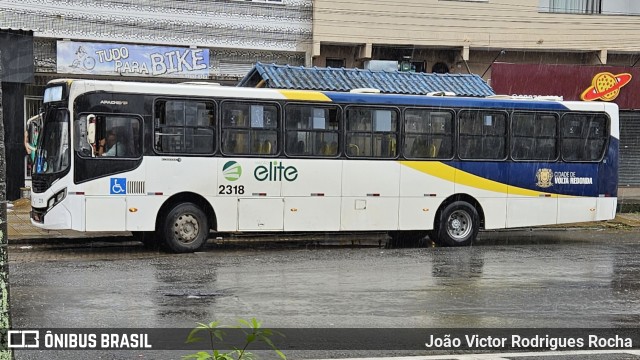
[[341, 79]]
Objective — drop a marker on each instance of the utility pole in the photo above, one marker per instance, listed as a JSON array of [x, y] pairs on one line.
[[5, 318]]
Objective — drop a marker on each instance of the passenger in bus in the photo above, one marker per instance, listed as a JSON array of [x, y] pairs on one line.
[[110, 146]]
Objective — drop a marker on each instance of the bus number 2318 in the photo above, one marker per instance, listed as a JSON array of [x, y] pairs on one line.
[[231, 189]]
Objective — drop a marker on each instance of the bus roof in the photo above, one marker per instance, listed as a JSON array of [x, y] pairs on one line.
[[213, 90]]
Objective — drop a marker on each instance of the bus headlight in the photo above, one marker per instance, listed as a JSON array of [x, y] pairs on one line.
[[58, 197]]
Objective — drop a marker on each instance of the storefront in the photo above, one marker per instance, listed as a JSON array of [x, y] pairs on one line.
[[617, 84], [16, 72]]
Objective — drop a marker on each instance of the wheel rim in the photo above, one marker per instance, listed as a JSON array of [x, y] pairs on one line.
[[459, 225], [186, 228]]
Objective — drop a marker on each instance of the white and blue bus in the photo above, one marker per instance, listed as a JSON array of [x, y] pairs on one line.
[[178, 161]]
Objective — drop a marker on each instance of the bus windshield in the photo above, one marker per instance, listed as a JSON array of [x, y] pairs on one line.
[[52, 155]]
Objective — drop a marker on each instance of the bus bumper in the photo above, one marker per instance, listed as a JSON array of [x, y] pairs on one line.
[[56, 218]]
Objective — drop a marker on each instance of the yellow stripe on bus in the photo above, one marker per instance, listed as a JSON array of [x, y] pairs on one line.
[[449, 173], [304, 95]]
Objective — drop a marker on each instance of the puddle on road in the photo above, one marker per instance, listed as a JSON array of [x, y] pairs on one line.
[[195, 294]]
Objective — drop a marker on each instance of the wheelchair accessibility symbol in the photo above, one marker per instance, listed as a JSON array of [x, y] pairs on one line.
[[118, 186]]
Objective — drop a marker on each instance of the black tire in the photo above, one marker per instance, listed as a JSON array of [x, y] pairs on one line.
[[458, 224], [185, 228], [147, 238], [407, 238]]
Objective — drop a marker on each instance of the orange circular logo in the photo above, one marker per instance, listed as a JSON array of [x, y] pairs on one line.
[[605, 86]]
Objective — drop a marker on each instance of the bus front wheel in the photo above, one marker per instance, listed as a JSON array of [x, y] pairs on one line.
[[458, 224], [186, 228]]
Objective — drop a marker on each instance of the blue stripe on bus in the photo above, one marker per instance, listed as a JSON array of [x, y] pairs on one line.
[[443, 101], [568, 178], [523, 175]]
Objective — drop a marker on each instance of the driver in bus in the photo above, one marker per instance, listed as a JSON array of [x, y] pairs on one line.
[[110, 146]]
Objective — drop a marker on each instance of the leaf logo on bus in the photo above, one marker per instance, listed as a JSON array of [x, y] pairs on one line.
[[232, 171]]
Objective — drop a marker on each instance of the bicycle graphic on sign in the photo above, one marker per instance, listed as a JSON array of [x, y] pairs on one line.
[[83, 58]]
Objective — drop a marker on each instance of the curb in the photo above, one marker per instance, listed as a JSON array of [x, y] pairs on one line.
[[67, 239]]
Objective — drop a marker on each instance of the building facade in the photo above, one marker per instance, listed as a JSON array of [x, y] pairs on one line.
[[534, 47], [147, 40], [469, 35]]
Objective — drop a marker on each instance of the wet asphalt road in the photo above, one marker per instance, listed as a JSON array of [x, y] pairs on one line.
[[558, 278]]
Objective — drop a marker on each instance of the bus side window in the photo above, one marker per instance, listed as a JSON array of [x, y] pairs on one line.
[[184, 126], [428, 134], [533, 136], [309, 129], [482, 134], [371, 132]]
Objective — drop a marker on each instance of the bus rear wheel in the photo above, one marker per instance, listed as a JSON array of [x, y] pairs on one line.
[[458, 224], [185, 228]]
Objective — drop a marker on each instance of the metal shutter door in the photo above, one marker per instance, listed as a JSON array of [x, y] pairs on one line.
[[629, 171]]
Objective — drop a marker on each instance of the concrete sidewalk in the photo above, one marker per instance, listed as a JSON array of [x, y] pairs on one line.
[[20, 228]]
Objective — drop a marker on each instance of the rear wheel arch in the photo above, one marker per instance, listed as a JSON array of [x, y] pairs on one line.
[[459, 199]]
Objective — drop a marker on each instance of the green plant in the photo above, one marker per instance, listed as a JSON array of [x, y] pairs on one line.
[[252, 330]]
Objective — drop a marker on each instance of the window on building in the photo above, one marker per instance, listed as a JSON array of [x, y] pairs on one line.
[[534, 136], [371, 132], [571, 6], [335, 63], [249, 128], [583, 137], [311, 130], [621, 7], [428, 134], [440, 68], [483, 134], [418, 66], [184, 126]]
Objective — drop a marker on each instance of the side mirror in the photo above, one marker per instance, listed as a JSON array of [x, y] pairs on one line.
[[31, 134], [91, 129]]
